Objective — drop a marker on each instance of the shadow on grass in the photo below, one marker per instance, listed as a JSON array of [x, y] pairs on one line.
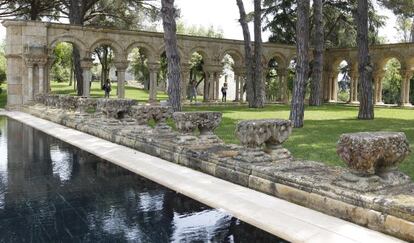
[[317, 140]]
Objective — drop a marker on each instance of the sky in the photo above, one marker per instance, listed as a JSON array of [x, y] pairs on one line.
[[224, 14]]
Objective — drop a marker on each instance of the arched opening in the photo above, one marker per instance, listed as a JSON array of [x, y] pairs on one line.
[[62, 78], [291, 76], [138, 74], [103, 71], [227, 81], [197, 84], [276, 85], [389, 91], [343, 82]]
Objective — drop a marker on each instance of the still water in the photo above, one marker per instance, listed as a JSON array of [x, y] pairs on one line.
[[53, 192]]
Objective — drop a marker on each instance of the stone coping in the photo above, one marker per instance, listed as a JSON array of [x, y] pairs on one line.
[[286, 220], [308, 183]]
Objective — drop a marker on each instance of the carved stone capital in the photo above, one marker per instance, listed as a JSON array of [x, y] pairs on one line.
[[369, 153]]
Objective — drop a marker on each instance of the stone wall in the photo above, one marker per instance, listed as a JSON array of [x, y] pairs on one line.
[[380, 199]]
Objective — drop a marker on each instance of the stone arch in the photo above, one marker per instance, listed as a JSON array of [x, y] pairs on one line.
[[69, 39], [149, 50], [337, 61], [382, 58], [161, 50], [118, 50], [201, 50], [279, 57], [238, 58]]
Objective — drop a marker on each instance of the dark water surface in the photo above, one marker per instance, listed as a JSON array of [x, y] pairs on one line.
[[53, 192]]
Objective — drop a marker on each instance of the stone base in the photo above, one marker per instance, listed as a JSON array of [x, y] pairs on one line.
[[406, 105], [372, 183], [380, 103], [253, 156]]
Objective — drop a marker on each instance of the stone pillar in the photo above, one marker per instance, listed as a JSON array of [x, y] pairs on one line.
[[49, 74], [41, 78], [377, 76], [211, 76], [333, 87], [283, 74], [216, 85], [405, 87], [30, 85], [153, 70], [354, 88], [121, 67], [86, 65], [326, 85], [185, 77], [236, 78]]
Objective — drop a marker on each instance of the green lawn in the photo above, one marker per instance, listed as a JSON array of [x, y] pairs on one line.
[[323, 126], [96, 91], [3, 96], [316, 141]]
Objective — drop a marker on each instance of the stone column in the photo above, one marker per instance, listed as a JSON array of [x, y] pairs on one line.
[[211, 76], [41, 78], [405, 87], [121, 67], [153, 70], [335, 87], [283, 73], [326, 85], [49, 74], [377, 76], [236, 78], [86, 65], [216, 86], [185, 76], [354, 87], [30, 94]]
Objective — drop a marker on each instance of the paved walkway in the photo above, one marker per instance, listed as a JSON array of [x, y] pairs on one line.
[[286, 220]]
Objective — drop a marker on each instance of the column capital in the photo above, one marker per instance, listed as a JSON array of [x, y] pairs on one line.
[[87, 63], [153, 66], [212, 68], [31, 60], [121, 65], [239, 70], [282, 71], [406, 73]]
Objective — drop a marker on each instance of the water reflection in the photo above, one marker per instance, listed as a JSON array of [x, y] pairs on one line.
[[52, 192]]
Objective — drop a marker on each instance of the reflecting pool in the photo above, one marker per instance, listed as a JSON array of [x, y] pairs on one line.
[[53, 192]]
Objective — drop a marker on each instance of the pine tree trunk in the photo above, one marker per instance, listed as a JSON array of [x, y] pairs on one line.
[[302, 49], [173, 58], [250, 87], [258, 74], [315, 95], [76, 18], [78, 70], [366, 107]]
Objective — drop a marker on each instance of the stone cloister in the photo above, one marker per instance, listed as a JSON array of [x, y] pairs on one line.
[[30, 45]]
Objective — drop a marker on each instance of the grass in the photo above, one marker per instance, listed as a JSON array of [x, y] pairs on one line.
[[96, 91], [323, 126], [3, 96], [315, 141]]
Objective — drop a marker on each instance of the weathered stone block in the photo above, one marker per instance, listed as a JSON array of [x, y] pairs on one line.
[[374, 152]]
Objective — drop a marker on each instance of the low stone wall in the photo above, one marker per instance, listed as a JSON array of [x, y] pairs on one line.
[[376, 196]]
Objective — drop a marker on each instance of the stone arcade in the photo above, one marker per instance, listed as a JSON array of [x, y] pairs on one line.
[[29, 52]]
